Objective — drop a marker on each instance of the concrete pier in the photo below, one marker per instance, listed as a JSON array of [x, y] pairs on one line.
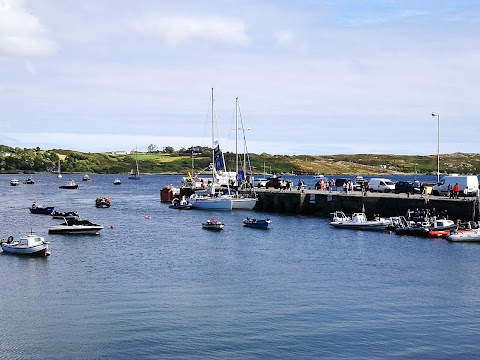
[[322, 203]]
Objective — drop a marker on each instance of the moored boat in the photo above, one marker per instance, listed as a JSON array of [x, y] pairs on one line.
[[135, 173], [257, 223], [64, 215], [29, 244], [117, 182], [14, 182], [213, 225], [40, 209], [102, 202], [69, 185], [86, 177], [359, 222], [243, 203], [168, 193], [29, 181], [75, 226], [440, 229], [470, 235], [182, 204], [210, 202]]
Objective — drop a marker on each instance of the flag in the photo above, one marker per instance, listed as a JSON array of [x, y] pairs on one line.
[[217, 154], [240, 177]]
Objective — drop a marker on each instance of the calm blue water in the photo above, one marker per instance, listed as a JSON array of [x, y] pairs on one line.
[[165, 288]]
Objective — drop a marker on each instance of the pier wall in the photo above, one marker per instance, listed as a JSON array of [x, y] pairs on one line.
[[315, 203]]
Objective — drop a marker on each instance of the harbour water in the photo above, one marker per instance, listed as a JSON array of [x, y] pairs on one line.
[[155, 285]]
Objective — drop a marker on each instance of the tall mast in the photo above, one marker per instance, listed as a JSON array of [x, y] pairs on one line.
[[236, 134], [213, 141]]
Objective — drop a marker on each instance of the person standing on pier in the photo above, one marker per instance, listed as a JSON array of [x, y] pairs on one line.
[[455, 191]]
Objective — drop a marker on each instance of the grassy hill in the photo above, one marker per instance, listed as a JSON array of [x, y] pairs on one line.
[[36, 160]]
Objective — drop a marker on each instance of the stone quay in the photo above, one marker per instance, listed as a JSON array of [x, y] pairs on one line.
[[321, 203]]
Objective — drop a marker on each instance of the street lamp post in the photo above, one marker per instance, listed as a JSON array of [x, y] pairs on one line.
[[438, 145]]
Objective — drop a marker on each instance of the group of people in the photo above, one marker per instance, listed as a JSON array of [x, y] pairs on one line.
[[453, 191], [425, 215], [325, 184]]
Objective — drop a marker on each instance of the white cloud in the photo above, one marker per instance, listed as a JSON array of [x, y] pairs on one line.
[[176, 30], [21, 33]]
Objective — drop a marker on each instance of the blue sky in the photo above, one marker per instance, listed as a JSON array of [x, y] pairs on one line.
[[312, 77]]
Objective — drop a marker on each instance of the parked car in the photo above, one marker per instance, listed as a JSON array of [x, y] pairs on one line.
[[339, 182], [259, 183], [381, 185], [359, 183], [407, 187], [468, 185], [276, 183]]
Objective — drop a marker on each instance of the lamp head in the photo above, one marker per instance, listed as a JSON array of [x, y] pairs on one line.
[[434, 114]]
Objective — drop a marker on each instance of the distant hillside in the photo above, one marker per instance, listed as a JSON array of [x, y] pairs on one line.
[[38, 160]]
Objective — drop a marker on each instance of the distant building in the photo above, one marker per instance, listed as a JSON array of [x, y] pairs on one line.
[[119, 152]]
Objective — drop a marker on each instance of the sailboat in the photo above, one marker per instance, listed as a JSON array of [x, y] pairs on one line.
[[241, 202], [212, 201], [134, 173], [59, 170]]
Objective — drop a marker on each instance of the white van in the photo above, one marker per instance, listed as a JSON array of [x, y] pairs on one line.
[[467, 184], [381, 185]]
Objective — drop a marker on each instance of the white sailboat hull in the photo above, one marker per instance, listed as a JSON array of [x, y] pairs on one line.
[[243, 203], [211, 203]]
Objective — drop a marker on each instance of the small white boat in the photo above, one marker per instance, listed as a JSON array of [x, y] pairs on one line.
[[29, 181], [117, 182], [359, 222], [75, 226], [14, 182], [182, 204], [465, 236], [213, 225], [85, 177], [29, 244]]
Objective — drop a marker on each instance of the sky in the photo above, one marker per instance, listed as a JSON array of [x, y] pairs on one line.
[[312, 77]]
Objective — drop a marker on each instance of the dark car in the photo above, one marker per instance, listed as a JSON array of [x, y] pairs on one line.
[[407, 187], [276, 183], [340, 181], [360, 184]]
